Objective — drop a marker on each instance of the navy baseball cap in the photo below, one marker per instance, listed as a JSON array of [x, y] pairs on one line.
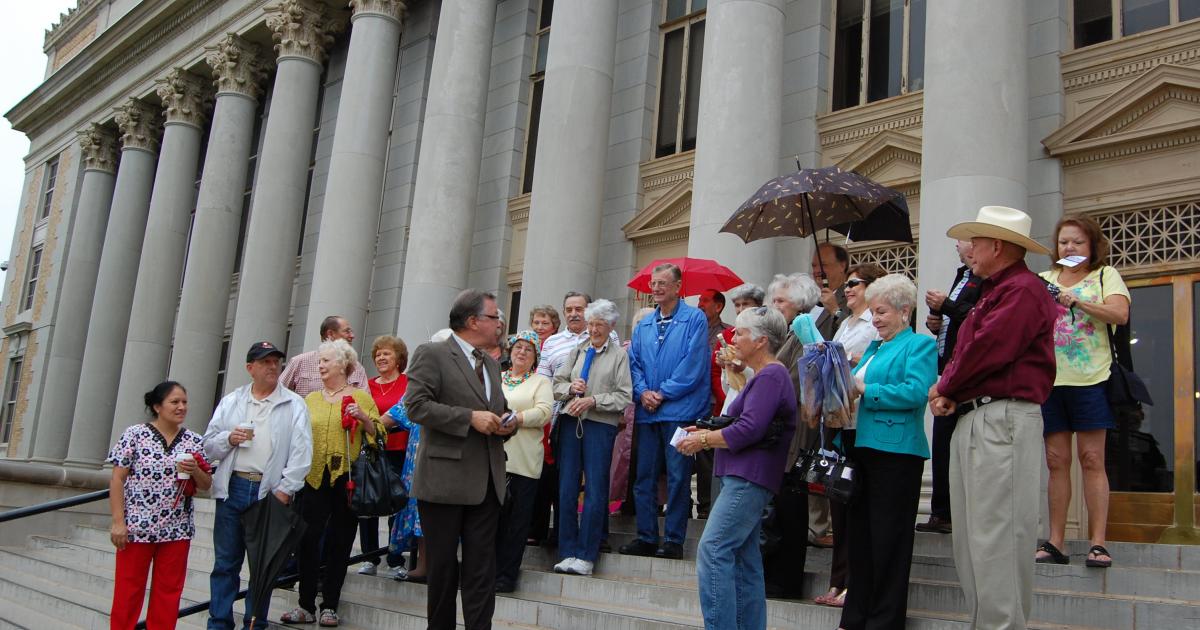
[[262, 350]]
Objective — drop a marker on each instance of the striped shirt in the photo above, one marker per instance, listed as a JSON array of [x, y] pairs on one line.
[[303, 374]]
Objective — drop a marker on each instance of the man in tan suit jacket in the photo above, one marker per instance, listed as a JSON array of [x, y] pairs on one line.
[[454, 393]]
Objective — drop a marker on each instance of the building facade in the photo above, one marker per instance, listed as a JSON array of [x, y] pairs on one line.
[[207, 173]]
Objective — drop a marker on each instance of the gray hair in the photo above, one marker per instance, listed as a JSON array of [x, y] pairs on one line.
[[896, 290], [676, 272], [764, 322], [751, 292], [602, 309], [798, 288], [343, 354]]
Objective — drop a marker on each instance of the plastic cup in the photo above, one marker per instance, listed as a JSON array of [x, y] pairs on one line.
[[247, 426], [179, 459]]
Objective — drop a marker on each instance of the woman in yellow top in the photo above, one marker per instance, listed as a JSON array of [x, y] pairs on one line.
[[1091, 297], [323, 501], [530, 397]]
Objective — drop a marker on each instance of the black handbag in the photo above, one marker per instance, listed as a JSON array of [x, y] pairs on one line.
[[827, 473], [378, 490], [1124, 387]]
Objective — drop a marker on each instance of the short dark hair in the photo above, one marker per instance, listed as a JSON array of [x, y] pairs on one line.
[[570, 294], [330, 324], [547, 311], [717, 297], [839, 252], [676, 272], [867, 271], [156, 396], [469, 303]]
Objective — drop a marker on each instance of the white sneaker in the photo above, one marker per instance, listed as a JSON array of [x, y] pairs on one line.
[[396, 573], [367, 568], [581, 567], [564, 566]]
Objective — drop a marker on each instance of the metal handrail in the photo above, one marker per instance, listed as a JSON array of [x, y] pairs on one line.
[[50, 506]]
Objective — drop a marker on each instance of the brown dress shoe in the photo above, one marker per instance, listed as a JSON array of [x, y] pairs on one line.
[[935, 525]]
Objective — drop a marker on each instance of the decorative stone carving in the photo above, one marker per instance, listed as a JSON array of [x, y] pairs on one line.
[[99, 148], [185, 96], [394, 9], [302, 28], [140, 126], [238, 65]]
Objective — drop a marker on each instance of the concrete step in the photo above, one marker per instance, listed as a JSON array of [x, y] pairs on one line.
[[19, 616]]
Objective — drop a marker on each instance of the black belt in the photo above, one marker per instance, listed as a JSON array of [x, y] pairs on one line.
[[971, 405]]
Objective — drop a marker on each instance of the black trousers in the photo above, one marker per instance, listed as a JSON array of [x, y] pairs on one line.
[[444, 526], [514, 528], [327, 513], [839, 570], [368, 528], [546, 501], [881, 520], [704, 476], [943, 430], [783, 571]]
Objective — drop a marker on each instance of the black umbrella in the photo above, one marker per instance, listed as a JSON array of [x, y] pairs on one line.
[[272, 530]]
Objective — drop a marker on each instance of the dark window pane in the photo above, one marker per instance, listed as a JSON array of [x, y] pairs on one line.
[[1143, 15], [1196, 342], [668, 93], [1189, 9], [884, 53], [698, 5], [543, 51], [1093, 22], [676, 9], [916, 45], [547, 13], [1141, 450], [531, 136], [847, 54], [691, 104], [514, 313]]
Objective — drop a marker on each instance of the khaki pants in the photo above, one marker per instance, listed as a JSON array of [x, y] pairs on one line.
[[995, 481]]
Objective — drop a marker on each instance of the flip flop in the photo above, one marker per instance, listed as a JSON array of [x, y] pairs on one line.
[[1055, 557], [1092, 561]]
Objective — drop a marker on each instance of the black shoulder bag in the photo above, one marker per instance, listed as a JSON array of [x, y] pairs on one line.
[[378, 489], [1124, 388]]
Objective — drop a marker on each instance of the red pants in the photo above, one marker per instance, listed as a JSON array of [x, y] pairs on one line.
[[129, 588]]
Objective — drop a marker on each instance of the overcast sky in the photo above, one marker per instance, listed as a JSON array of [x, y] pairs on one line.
[[22, 33]]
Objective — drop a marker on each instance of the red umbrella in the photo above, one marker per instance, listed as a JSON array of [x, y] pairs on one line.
[[699, 275]]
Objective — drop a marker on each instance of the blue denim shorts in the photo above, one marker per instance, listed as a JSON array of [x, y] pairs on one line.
[[1077, 408]]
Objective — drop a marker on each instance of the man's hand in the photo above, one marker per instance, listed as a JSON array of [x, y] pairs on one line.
[[934, 324], [829, 300], [934, 300], [237, 436], [578, 387], [933, 392], [651, 400], [485, 422], [942, 406], [579, 406], [283, 497]]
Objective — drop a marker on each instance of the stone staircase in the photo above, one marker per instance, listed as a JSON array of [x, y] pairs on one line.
[[66, 582]]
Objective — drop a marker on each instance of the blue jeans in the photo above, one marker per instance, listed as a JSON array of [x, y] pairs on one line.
[[728, 561], [653, 447], [589, 457], [230, 549]]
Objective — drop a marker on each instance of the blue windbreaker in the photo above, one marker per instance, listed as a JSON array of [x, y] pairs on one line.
[[678, 368]]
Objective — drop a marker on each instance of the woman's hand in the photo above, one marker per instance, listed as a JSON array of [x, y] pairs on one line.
[[1067, 299], [189, 466], [692, 443], [860, 385], [119, 534]]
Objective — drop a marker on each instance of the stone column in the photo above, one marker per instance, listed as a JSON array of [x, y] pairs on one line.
[[354, 188], [65, 359], [204, 303], [302, 31], [140, 126], [976, 132], [148, 347], [446, 192], [572, 152], [737, 146]]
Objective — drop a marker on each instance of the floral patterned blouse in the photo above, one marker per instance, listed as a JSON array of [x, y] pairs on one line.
[[1081, 348], [152, 512]]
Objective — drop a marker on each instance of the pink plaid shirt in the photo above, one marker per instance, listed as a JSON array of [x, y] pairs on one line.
[[303, 375]]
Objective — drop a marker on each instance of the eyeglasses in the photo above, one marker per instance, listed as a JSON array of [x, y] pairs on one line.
[[850, 284], [661, 284], [495, 317]]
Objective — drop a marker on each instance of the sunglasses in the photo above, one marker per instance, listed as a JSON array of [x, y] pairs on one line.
[[850, 284]]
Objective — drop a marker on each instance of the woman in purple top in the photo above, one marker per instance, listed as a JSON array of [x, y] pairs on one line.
[[750, 458]]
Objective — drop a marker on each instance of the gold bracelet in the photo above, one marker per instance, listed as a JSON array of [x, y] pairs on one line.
[[704, 440]]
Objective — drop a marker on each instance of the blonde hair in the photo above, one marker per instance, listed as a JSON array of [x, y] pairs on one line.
[[342, 353]]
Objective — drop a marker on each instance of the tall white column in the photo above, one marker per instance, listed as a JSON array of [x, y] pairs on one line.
[[238, 69], [354, 188], [737, 144], [446, 193], [65, 358], [572, 150], [974, 151], [140, 126], [148, 347], [301, 29]]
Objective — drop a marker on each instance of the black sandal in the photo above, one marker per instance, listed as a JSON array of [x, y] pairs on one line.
[[1055, 557], [1098, 550]]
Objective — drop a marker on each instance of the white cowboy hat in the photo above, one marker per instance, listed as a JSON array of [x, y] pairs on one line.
[[998, 222]]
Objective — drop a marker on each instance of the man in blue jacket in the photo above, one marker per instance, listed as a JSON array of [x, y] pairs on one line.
[[669, 362]]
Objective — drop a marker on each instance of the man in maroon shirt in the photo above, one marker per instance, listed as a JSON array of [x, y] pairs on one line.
[[1002, 371]]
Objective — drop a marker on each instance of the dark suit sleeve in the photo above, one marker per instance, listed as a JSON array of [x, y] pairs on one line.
[[956, 310], [424, 389]]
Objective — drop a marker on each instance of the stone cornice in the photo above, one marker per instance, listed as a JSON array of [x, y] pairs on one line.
[[302, 28], [238, 65], [1127, 57], [99, 148], [864, 121], [140, 126], [392, 9], [185, 96]]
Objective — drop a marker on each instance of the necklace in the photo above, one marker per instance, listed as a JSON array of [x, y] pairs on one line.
[[331, 394], [511, 382], [384, 390]]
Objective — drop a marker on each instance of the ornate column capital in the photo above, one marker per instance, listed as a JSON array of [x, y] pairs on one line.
[[238, 66], [140, 126], [302, 28], [185, 96], [99, 145], [393, 9]]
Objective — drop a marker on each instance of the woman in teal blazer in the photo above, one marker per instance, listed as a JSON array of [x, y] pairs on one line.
[[892, 380]]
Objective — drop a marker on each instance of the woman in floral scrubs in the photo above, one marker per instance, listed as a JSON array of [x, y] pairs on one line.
[[151, 519]]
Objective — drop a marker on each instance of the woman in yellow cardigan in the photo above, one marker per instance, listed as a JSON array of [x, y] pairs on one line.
[[324, 501]]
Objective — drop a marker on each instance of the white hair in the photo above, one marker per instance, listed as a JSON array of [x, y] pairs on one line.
[[896, 290], [764, 322], [797, 288], [341, 352], [602, 309], [441, 335], [748, 291]]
